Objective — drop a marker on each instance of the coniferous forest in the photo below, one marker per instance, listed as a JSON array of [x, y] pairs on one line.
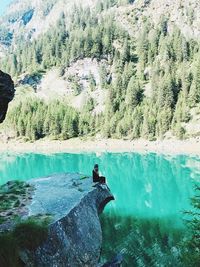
[[158, 58]]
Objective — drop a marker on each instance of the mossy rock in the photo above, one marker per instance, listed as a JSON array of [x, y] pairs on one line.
[[13, 197], [30, 233], [9, 256], [27, 234], [20, 234]]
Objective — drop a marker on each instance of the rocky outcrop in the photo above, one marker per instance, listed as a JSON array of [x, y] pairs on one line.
[[6, 93], [74, 237], [180, 14], [33, 80]]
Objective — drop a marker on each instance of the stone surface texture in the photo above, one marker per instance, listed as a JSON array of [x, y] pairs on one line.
[[6, 93], [75, 235]]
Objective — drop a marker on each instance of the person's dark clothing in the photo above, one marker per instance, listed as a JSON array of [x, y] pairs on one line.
[[97, 178]]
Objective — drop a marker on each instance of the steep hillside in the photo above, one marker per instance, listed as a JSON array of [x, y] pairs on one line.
[[32, 18], [129, 69], [182, 14]]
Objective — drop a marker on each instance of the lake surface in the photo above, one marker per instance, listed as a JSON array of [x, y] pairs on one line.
[[151, 191]]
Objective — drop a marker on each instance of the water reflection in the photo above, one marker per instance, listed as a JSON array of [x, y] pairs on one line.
[[144, 185], [143, 242], [145, 220]]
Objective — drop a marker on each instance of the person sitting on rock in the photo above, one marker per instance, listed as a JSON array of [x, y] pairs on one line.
[[96, 177]]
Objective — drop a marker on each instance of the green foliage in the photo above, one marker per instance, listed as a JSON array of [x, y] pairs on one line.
[[85, 37], [76, 86], [145, 242], [134, 93], [54, 119], [92, 82], [27, 234], [10, 193], [191, 247], [30, 233], [22, 234], [8, 251], [155, 78]]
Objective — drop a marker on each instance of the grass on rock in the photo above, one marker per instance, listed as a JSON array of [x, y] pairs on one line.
[[28, 234], [21, 233]]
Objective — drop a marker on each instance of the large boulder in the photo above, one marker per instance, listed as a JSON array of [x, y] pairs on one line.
[[6, 93], [74, 236]]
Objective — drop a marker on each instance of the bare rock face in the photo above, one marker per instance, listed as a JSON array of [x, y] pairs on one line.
[[6, 93], [75, 236]]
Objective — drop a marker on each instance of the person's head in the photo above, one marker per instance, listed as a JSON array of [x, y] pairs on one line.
[[96, 167]]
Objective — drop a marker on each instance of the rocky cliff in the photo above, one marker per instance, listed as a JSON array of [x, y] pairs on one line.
[[74, 233], [6, 93]]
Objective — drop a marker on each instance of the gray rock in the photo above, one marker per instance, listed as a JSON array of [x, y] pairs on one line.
[[115, 262], [32, 80], [6, 93], [75, 235]]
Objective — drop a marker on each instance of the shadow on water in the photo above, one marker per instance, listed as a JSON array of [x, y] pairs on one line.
[[143, 242]]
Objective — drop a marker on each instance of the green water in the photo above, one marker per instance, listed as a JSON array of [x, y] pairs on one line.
[[151, 191]]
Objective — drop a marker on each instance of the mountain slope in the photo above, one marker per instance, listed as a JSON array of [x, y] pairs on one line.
[[32, 18], [129, 68], [182, 14]]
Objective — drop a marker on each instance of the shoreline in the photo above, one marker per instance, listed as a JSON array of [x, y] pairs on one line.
[[76, 145]]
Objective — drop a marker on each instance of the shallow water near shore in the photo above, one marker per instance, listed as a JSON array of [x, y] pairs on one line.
[[145, 222]]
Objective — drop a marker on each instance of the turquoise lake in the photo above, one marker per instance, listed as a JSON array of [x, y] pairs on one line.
[[145, 222]]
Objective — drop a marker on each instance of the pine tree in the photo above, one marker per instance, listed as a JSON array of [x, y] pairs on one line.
[[137, 123], [134, 93], [125, 55], [92, 82], [194, 94]]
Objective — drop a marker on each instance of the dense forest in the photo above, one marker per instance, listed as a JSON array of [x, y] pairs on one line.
[[157, 57], [35, 119]]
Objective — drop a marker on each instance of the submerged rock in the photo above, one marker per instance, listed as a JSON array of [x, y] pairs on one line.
[[74, 236], [6, 93]]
